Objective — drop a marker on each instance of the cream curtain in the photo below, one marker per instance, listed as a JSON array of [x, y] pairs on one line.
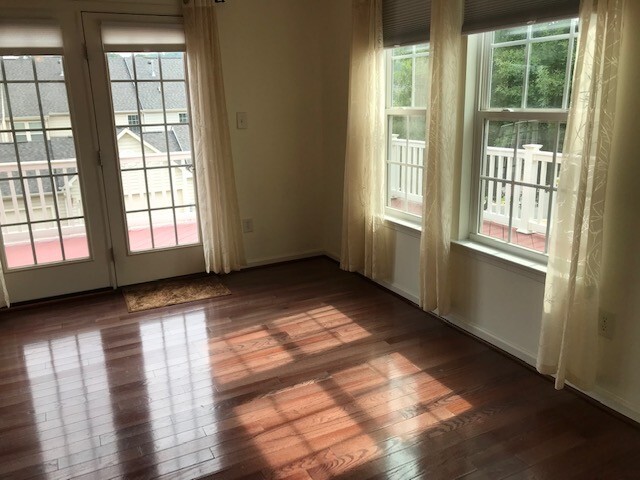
[[443, 136], [364, 239], [4, 295], [218, 203], [568, 339]]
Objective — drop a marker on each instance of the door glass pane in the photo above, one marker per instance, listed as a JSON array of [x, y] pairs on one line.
[[39, 183], [150, 107]]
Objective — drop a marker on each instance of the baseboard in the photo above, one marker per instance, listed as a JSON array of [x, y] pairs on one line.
[[259, 262], [398, 291], [489, 337]]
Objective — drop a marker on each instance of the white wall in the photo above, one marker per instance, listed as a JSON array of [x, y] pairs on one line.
[[272, 64]]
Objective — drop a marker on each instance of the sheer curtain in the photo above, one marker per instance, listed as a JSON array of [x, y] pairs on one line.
[[218, 203], [4, 295], [364, 239], [569, 335], [443, 137]]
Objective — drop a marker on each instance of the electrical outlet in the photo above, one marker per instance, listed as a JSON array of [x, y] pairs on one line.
[[247, 225], [606, 324]]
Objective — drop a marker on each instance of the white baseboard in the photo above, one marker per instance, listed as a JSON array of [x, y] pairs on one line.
[[399, 291], [599, 394], [259, 262], [487, 336]]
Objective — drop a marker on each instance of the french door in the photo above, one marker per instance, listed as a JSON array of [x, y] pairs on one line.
[[96, 173], [140, 96]]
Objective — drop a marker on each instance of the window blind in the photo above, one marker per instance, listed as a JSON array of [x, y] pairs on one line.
[[32, 36], [486, 15], [144, 37], [405, 22]]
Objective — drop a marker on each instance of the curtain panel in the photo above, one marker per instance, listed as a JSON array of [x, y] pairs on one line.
[[443, 137], [569, 336], [217, 197], [364, 237]]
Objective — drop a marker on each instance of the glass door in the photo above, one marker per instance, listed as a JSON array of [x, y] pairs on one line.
[[52, 229], [138, 77]]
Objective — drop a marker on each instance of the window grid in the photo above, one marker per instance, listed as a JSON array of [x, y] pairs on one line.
[[405, 159], [23, 177], [542, 190], [172, 167]]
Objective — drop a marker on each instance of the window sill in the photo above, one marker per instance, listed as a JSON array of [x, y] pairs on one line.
[[401, 225], [530, 268]]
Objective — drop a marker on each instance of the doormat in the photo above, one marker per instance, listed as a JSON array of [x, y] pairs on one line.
[[172, 292]]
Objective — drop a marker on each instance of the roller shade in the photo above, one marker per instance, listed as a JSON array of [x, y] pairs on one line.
[[405, 22], [143, 37], [32, 36], [486, 15]]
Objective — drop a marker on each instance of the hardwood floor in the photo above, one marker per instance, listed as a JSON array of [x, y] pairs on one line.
[[304, 372]]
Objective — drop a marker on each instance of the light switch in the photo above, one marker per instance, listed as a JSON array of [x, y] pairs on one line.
[[242, 120]]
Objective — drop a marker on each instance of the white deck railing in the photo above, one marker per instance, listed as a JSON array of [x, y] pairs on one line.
[[529, 165], [40, 200]]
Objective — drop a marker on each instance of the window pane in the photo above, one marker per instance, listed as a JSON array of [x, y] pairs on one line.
[[150, 98], [172, 64], [46, 239], [507, 76], [18, 68], [134, 190], [139, 231], [547, 74], [24, 103], [49, 67], [422, 79], [559, 27], [510, 34], [147, 66], [402, 82], [536, 144], [74, 239], [120, 67], [17, 246], [187, 225], [159, 185], [183, 186], [68, 196], [396, 151], [498, 151], [13, 207], [164, 234]]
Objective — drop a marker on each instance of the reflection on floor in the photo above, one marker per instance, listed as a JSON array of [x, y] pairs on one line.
[[303, 372]]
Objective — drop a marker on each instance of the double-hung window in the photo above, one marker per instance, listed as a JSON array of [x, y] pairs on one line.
[[524, 98], [406, 112]]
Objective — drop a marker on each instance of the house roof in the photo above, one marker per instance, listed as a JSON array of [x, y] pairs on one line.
[[24, 98]]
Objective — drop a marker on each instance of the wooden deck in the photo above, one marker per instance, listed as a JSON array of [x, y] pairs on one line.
[[304, 372]]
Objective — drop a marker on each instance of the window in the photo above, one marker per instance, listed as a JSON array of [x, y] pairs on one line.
[[524, 97], [155, 162], [133, 120], [406, 116], [183, 118], [41, 211]]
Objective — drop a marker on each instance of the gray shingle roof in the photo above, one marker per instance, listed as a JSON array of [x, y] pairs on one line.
[[24, 101]]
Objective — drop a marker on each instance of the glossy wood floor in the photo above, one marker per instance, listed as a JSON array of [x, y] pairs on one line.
[[303, 372]]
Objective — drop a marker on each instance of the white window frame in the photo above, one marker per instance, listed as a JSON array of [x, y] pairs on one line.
[[484, 113], [407, 112], [135, 117]]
